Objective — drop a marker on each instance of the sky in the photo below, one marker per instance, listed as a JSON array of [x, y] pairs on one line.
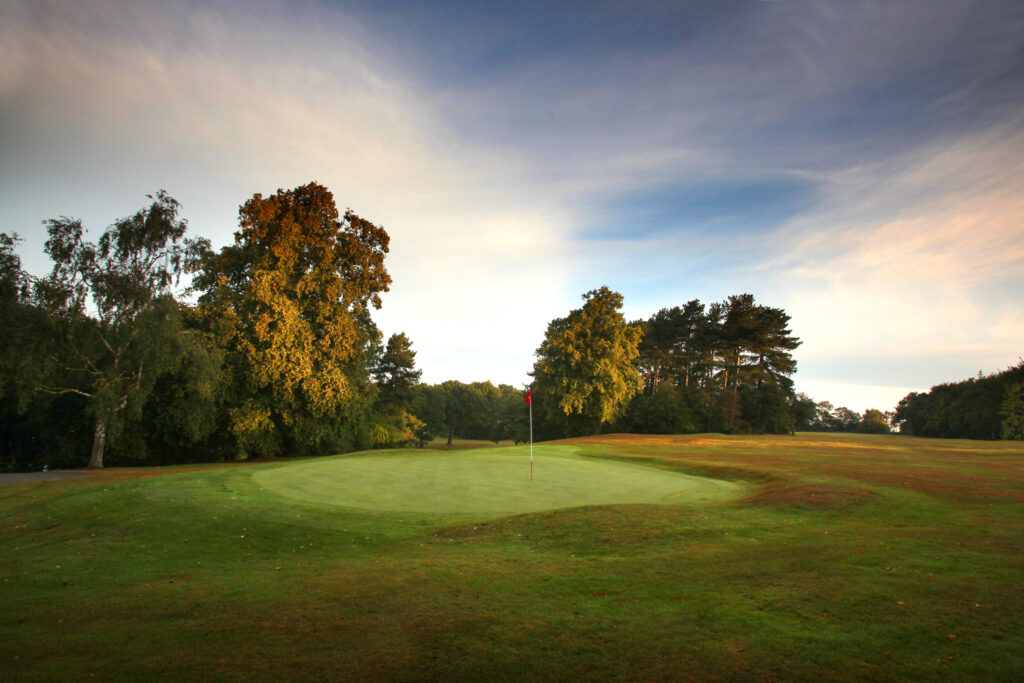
[[858, 164]]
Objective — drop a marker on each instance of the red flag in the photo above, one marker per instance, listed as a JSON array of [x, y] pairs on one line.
[[529, 397]]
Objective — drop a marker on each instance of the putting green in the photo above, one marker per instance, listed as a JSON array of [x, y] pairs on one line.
[[495, 482]]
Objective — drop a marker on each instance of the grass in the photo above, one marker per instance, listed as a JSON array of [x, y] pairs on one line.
[[492, 483], [839, 557]]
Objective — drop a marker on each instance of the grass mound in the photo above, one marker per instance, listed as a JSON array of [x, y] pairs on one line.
[[491, 483]]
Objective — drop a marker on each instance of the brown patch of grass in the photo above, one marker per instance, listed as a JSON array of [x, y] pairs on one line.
[[956, 470], [821, 496]]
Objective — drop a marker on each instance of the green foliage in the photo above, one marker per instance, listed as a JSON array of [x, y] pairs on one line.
[[765, 410], [290, 302], [1012, 410], [25, 333], [732, 361], [874, 422], [478, 410], [972, 409], [182, 417], [396, 372], [111, 311], [809, 416], [804, 411], [584, 375], [666, 411]]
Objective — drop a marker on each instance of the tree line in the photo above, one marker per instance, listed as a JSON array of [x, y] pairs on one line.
[[147, 346], [275, 354], [822, 416], [983, 407], [722, 367]]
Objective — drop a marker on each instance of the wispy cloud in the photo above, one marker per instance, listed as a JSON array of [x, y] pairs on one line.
[[231, 107], [856, 163]]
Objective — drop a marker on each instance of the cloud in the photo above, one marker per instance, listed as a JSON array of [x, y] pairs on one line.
[[520, 158], [215, 105], [946, 218], [912, 263]]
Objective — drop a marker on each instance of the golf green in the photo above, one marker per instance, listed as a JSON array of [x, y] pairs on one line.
[[495, 482]]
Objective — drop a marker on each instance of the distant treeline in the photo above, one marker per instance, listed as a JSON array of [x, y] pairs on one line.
[[822, 416], [984, 407], [274, 352]]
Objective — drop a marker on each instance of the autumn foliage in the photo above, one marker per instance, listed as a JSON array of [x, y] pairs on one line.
[[290, 300]]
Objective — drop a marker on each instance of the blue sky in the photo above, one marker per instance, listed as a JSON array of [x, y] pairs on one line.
[[860, 164]]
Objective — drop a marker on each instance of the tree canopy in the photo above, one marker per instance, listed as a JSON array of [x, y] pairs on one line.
[[110, 305], [983, 407], [585, 372], [719, 367], [290, 301]]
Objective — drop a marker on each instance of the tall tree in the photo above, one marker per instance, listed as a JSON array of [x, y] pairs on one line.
[[585, 374], [110, 301], [290, 300], [396, 372]]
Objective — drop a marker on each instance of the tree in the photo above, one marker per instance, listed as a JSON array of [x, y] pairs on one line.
[[182, 419], [396, 372], [290, 301], [584, 374], [765, 409], [804, 411], [1012, 410], [662, 412], [845, 420], [24, 332], [874, 421], [972, 409], [512, 420], [110, 304], [461, 406], [396, 378]]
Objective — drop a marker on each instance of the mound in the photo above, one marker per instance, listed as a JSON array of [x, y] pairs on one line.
[[486, 483]]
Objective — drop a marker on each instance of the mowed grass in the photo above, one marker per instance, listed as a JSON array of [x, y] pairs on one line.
[[835, 557], [493, 483]]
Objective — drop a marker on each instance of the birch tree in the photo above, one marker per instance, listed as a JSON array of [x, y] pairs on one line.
[[110, 302]]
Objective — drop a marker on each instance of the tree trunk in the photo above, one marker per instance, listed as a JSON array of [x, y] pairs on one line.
[[451, 434], [98, 438]]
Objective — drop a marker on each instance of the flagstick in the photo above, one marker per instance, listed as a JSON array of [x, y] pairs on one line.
[[531, 440]]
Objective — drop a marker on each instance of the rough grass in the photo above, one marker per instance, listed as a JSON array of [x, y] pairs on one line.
[[867, 558]]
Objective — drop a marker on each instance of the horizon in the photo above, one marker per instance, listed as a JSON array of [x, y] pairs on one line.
[[859, 165]]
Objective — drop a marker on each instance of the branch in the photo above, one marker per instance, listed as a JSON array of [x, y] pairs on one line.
[[107, 344], [53, 359], [82, 357], [57, 390]]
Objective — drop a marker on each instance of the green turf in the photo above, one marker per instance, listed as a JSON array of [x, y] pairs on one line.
[[490, 483], [845, 558]]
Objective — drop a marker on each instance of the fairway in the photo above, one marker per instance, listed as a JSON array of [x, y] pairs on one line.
[[490, 483], [627, 558]]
